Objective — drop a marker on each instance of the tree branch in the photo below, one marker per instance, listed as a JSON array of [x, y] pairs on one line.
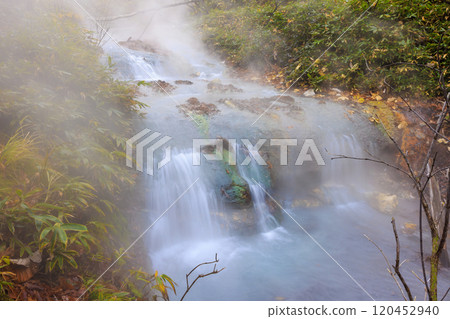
[[389, 266], [446, 219], [213, 272], [397, 261]]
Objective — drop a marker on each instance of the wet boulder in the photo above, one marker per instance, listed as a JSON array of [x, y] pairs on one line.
[[183, 82], [237, 194], [194, 106], [385, 203], [217, 86], [158, 86]]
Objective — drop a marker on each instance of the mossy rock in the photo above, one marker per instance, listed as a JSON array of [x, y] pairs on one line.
[[237, 194]]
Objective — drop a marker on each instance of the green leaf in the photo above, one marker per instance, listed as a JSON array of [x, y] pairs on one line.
[[45, 232], [2, 203], [60, 262], [74, 227], [52, 264], [11, 227], [61, 234], [49, 206], [44, 218]]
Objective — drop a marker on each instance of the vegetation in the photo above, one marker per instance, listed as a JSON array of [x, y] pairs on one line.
[[64, 120], [398, 41]]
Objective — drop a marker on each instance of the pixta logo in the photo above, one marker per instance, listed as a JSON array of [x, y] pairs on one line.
[[147, 143], [145, 149], [308, 153]]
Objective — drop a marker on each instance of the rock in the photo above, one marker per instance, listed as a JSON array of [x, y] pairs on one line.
[[283, 99], [384, 203], [217, 86], [315, 198], [193, 105], [306, 203], [137, 45], [183, 82], [419, 134], [237, 193], [25, 268], [336, 90], [409, 228], [402, 125], [158, 86], [309, 93]]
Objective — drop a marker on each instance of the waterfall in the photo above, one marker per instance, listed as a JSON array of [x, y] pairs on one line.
[[258, 179], [189, 218], [134, 65]]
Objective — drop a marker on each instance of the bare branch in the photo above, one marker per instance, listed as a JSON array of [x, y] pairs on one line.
[[213, 272], [445, 295], [446, 219], [389, 266], [371, 160], [397, 261], [422, 258]]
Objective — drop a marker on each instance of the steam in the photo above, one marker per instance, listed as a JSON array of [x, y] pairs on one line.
[[167, 29]]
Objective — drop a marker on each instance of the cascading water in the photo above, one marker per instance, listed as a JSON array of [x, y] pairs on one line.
[[190, 216], [258, 177], [277, 259]]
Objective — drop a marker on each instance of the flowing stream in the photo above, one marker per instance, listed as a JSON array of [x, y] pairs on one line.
[[323, 254]]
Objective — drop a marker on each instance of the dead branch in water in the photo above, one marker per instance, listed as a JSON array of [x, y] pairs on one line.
[[213, 272], [397, 261], [389, 269]]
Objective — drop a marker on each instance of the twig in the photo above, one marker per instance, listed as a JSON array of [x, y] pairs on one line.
[[371, 160], [417, 276], [446, 219], [397, 261], [389, 269], [422, 259], [213, 272], [445, 295]]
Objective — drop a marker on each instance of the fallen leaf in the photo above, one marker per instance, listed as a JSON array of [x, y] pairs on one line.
[[402, 125]]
